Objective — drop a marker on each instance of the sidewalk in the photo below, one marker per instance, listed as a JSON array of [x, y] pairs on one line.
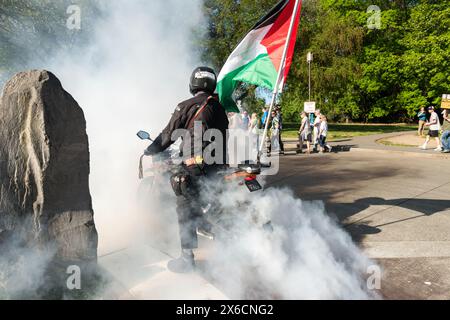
[[140, 273]]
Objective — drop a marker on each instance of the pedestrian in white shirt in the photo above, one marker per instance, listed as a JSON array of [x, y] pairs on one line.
[[323, 132], [434, 126], [304, 134], [316, 128]]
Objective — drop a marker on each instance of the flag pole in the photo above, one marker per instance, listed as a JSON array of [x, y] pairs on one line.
[[280, 76]]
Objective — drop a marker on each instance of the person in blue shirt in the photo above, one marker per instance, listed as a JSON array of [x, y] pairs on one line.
[[445, 139], [311, 119], [245, 123], [422, 115], [264, 116]]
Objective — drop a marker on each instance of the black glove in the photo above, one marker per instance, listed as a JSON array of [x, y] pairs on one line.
[[154, 148], [147, 152]]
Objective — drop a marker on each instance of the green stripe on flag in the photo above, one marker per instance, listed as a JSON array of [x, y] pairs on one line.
[[260, 72]]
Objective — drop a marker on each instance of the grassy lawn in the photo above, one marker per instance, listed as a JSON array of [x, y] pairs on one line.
[[343, 131]]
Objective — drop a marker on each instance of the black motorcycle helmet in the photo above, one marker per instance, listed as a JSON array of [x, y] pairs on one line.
[[203, 79]]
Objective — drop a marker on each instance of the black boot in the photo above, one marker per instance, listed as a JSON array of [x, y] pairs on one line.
[[183, 264], [204, 228], [206, 233]]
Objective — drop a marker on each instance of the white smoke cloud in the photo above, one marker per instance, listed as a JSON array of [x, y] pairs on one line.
[[307, 256], [132, 77], [23, 270]]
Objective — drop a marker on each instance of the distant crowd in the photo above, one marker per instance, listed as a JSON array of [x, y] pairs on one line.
[[313, 130], [255, 128], [312, 133]]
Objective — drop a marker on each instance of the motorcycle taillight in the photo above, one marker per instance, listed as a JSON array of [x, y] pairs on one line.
[[250, 177]]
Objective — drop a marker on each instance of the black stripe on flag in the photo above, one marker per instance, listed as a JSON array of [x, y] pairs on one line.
[[273, 14]]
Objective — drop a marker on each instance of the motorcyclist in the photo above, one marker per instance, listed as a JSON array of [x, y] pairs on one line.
[[205, 109]]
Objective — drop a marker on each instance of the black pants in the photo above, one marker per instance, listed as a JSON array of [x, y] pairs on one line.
[[280, 141], [323, 141], [189, 204]]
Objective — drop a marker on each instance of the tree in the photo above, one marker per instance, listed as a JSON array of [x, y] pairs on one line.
[[335, 41], [358, 73]]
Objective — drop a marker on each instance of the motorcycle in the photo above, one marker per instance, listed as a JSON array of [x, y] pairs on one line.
[[220, 221]]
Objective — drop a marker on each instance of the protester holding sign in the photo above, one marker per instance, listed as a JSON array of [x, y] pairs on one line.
[[445, 101], [323, 133]]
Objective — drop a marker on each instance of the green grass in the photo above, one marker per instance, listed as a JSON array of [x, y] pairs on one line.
[[393, 144], [344, 131]]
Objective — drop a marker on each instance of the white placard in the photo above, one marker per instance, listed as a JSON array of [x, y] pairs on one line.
[[445, 101], [310, 107]]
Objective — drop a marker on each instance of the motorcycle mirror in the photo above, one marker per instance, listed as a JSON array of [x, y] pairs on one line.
[[144, 135]]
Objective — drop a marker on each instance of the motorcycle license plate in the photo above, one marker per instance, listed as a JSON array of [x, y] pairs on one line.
[[253, 185]]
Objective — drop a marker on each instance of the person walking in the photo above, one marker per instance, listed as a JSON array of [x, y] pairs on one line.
[[323, 132], [253, 125], [434, 125], [304, 134], [245, 122], [280, 129], [274, 133], [311, 119], [422, 115], [316, 129], [234, 120], [254, 131], [264, 117]]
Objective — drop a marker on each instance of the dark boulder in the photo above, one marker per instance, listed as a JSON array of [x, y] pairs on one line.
[[45, 201]]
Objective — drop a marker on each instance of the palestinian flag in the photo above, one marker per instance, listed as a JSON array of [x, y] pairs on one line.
[[257, 59]]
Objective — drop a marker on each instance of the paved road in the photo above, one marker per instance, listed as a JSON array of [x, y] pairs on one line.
[[396, 205]]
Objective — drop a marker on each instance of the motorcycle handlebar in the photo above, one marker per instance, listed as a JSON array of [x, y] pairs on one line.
[[160, 158]]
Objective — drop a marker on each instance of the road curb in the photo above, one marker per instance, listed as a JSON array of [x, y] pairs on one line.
[[408, 153], [406, 249]]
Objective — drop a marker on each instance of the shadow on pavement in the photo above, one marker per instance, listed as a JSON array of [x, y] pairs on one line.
[[425, 206], [332, 180], [358, 228], [359, 231], [335, 148], [343, 148]]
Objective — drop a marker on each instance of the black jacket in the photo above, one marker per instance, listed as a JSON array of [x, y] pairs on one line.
[[211, 116]]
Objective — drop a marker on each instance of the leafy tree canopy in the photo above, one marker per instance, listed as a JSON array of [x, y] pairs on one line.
[[359, 73]]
